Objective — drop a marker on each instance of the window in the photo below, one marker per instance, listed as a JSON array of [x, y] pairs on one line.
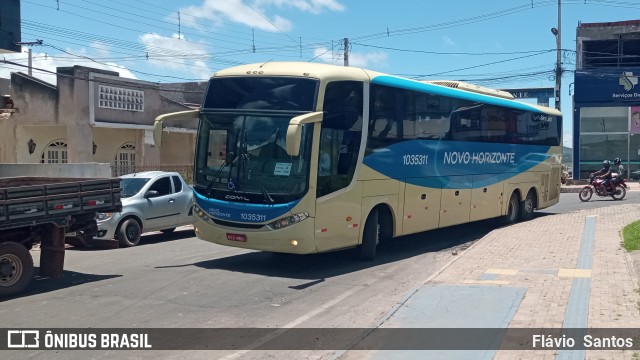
[[55, 153], [604, 119], [125, 159], [340, 135], [177, 184], [386, 109], [400, 114], [272, 93], [162, 186], [120, 98]]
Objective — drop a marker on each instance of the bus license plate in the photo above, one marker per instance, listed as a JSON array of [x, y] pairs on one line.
[[237, 237]]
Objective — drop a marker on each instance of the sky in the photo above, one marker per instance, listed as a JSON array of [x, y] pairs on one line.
[[492, 43]]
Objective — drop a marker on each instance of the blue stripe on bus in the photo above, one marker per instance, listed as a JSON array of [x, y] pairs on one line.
[[241, 212], [451, 92], [455, 164]]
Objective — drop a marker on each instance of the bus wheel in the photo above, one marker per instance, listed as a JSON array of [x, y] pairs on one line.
[[512, 210], [16, 268], [527, 206], [370, 237]]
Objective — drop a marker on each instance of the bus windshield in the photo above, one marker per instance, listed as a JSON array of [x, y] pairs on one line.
[[242, 158], [241, 154]]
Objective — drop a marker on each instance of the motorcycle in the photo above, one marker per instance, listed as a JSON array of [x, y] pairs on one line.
[[596, 186]]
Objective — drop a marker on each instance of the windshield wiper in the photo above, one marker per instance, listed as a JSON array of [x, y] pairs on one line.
[[246, 157], [216, 176]]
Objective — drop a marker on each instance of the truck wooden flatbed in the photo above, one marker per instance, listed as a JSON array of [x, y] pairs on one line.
[[48, 211]]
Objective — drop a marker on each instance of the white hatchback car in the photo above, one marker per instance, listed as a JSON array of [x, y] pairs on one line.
[[151, 201]]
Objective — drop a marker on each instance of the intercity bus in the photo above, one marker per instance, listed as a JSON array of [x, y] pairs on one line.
[[304, 158]]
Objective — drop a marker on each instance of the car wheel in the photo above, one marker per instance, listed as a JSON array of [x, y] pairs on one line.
[[129, 233], [16, 268], [168, 231]]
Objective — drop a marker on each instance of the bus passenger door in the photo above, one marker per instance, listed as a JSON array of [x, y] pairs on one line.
[[486, 200], [455, 203], [339, 196], [421, 208]]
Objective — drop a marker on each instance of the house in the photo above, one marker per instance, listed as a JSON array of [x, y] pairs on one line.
[[94, 115]]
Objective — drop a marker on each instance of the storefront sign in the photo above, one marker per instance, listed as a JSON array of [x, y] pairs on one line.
[[607, 85]]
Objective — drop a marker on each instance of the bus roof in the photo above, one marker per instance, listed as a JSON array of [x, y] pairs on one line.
[[328, 72]]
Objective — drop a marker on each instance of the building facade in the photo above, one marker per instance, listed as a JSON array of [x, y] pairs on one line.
[[94, 115], [606, 113]]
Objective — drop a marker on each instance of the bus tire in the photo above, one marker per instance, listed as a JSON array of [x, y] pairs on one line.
[[370, 237], [129, 233], [16, 268], [527, 206], [512, 210]]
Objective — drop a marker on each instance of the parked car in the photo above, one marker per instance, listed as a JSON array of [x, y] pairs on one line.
[[151, 201]]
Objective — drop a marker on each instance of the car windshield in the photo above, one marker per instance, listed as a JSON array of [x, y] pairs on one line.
[[131, 186]]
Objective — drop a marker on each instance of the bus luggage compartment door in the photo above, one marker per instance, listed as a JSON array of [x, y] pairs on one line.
[[455, 204]]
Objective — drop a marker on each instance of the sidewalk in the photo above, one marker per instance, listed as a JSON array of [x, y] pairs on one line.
[[555, 271]]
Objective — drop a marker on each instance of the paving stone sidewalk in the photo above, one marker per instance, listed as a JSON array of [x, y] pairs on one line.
[[542, 256]]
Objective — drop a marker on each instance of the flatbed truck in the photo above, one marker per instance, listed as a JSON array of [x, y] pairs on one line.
[[50, 212]]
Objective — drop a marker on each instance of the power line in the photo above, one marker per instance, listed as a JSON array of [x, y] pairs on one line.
[[141, 85], [487, 64], [451, 53]]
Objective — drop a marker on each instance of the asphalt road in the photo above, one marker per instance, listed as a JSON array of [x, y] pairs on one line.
[[570, 202], [179, 281]]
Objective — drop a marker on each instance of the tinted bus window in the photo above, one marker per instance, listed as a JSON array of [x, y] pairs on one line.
[[261, 93]]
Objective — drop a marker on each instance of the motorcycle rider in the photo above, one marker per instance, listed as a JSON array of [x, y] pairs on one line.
[[605, 174], [620, 170]]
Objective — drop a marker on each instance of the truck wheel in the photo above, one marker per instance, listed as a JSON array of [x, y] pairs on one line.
[[129, 233], [16, 268]]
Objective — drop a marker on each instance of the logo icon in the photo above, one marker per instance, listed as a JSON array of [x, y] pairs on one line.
[[628, 80], [22, 339]]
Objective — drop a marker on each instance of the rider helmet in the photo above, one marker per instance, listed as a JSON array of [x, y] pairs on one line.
[[617, 161], [606, 164]]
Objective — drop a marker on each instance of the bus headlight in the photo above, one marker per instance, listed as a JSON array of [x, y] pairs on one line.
[[201, 214], [288, 221]]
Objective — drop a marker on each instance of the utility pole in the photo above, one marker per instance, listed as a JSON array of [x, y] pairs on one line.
[[30, 43], [558, 32], [346, 51]]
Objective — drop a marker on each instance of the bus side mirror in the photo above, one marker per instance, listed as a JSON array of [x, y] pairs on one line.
[[294, 131], [176, 116]]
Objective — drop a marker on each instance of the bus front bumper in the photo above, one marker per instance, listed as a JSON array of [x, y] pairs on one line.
[[295, 239]]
